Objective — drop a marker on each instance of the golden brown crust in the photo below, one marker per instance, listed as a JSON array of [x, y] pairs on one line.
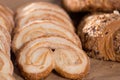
[[74, 5], [92, 5], [37, 76]]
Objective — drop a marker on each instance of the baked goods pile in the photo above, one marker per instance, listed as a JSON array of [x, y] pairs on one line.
[[100, 30], [6, 25], [44, 39]]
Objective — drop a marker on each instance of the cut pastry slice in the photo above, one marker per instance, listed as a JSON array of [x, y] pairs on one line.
[[35, 62], [37, 13], [6, 77], [5, 23], [6, 20], [5, 41], [5, 64], [58, 46], [101, 36], [8, 13], [26, 9], [71, 64], [7, 10], [43, 15], [42, 28], [5, 34], [4, 46]]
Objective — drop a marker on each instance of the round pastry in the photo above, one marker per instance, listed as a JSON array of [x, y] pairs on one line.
[[92, 5], [70, 61], [35, 62], [100, 35]]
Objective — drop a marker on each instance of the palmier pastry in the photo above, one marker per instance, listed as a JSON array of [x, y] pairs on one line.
[[100, 35], [35, 58], [42, 34]]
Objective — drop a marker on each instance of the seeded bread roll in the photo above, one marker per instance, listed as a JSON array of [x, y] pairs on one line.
[[92, 5], [100, 35]]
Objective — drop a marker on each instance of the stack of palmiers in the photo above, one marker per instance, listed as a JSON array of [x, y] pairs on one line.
[[6, 25], [100, 35], [44, 39]]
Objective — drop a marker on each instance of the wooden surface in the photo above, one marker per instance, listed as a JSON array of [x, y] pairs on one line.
[[100, 70]]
